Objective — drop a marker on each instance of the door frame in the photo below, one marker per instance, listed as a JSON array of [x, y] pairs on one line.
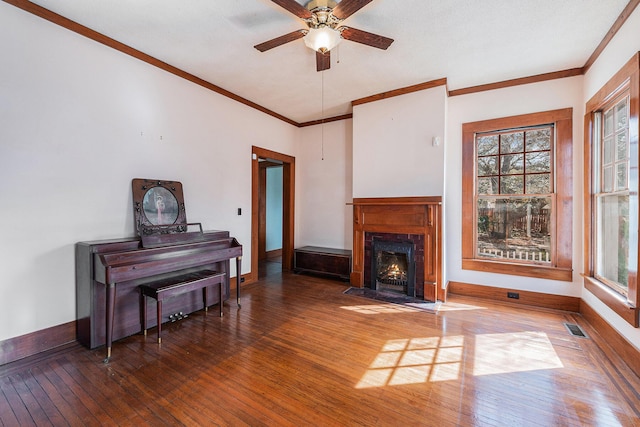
[[288, 204]]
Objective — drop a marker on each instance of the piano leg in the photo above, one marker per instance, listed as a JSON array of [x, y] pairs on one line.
[[159, 305], [220, 289], [204, 298], [143, 313], [111, 299], [238, 278]]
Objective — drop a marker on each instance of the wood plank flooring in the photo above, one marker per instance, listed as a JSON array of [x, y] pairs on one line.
[[301, 353]]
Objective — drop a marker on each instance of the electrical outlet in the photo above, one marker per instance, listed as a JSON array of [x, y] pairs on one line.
[[513, 295]]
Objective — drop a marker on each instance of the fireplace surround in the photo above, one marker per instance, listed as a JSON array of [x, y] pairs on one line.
[[415, 219]]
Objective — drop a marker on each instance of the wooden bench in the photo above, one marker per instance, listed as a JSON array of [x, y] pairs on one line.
[[323, 261], [170, 287]]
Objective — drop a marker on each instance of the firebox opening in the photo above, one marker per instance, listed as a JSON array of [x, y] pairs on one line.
[[392, 271], [393, 267]]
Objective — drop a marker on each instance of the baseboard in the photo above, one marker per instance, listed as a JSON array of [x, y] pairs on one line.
[[274, 254], [245, 279], [556, 302], [27, 345], [618, 343]]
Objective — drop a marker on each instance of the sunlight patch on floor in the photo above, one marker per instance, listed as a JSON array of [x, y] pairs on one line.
[[415, 361], [380, 308], [432, 359], [513, 352], [456, 306]]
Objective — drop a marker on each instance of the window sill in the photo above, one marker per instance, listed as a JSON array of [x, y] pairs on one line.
[[613, 300], [537, 271]]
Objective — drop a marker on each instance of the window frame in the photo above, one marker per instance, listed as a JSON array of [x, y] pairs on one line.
[[626, 79], [562, 270]]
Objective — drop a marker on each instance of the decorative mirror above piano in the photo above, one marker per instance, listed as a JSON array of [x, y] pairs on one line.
[[159, 213], [157, 202]]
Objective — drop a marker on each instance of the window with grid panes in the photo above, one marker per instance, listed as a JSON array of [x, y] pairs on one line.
[[514, 194], [516, 170]]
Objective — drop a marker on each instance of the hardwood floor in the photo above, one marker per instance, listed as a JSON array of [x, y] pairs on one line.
[[300, 352]]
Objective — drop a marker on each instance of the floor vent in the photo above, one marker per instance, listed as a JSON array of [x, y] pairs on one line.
[[575, 330]]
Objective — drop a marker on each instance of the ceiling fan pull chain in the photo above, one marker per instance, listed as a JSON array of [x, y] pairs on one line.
[[322, 116]]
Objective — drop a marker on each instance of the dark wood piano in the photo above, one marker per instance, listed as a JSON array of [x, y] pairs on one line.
[[109, 272]]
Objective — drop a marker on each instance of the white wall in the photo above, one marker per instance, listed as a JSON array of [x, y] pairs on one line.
[[78, 121], [392, 145], [624, 45], [323, 186], [531, 98]]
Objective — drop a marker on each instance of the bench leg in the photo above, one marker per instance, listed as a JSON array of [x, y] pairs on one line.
[[159, 320]]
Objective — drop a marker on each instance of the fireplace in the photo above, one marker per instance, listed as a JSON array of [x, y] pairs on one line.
[[415, 221], [393, 266]]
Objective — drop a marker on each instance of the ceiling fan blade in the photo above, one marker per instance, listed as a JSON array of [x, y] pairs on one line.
[[323, 60], [295, 35], [346, 8], [294, 7], [365, 37]]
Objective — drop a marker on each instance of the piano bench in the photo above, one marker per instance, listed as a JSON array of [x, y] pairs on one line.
[[170, 287]]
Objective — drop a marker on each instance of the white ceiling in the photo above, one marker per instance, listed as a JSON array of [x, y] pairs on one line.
[[470, 42]]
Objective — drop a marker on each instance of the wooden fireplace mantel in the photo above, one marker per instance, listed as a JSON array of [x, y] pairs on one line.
[[401, 215]]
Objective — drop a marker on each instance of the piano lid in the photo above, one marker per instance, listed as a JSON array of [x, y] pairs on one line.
[[120, 266]]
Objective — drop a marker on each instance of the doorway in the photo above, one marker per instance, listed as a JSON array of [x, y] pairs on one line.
[[262, 160]]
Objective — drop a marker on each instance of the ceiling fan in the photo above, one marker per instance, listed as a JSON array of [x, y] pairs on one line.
[[324, 32]]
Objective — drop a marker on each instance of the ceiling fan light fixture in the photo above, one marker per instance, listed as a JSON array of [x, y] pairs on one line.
[[322, 39]]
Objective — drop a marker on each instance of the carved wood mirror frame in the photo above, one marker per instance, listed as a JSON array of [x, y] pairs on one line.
[[158, 203]]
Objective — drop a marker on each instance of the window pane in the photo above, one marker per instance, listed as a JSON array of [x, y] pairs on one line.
[[539, 183], [488, 185], [621, 176], [488, 166], [621, 114], [608, 123], [512, 143], [607, 179], [539, 161], [607, 156], [515, 228], [539, 139], [613, 239], [487, 145], [512, 185], [511, 164], [621, 146]]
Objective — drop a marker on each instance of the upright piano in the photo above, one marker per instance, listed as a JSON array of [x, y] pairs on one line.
[[108, 274]]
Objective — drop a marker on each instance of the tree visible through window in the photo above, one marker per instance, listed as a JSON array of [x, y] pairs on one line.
[[514, 194], [516, 170]]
